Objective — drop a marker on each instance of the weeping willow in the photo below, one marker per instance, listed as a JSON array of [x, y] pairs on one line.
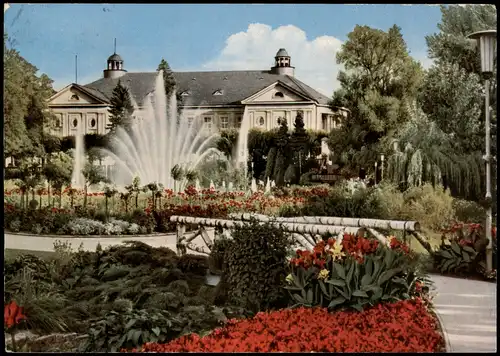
[[422, 153]]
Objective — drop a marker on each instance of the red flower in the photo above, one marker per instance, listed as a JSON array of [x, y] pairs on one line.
[[404, 326], [12, 314]]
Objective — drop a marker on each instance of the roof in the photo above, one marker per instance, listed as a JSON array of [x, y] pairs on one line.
[[282, 53], [140, 85], [115, 57], [201, 86]]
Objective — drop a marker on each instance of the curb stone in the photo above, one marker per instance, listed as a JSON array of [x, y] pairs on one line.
[[444, 332]]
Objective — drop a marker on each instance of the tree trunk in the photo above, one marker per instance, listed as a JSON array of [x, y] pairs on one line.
[[48, 193], [85, 197], [60, 199], [153, 199], [40, 207], [137, 200], [22, 199]]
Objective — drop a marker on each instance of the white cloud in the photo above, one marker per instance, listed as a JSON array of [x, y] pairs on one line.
[[255, 48]]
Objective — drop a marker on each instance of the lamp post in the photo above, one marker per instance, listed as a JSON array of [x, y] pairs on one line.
[[487, 44], [375, 175]]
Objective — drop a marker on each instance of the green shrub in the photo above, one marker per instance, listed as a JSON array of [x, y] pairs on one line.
[[216, 257], [431, 206], [195, 264], [468, 211], [255, 265], [384, 275]]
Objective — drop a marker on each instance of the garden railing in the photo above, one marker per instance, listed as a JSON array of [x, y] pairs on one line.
[[307, 230]]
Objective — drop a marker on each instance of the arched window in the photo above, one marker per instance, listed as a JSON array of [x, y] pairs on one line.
[[278, 94], [261, 121], [74, 97], [92, 123], [75, 123]]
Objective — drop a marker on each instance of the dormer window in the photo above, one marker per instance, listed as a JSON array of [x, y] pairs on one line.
[[279, 94], [218, 92], [74, 97], [185, 93]]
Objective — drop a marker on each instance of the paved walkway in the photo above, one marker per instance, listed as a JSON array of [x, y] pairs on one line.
[[467, 308]]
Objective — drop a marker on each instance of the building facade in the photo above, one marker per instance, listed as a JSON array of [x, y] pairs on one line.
[[218, 99]]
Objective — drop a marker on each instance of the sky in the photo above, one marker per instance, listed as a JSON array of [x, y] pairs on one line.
[[203, 37]]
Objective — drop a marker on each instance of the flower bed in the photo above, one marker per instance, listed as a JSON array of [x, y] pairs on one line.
[[404, 326]]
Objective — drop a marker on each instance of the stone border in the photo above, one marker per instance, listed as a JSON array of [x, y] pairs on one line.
[[55, 236], [442, 329]]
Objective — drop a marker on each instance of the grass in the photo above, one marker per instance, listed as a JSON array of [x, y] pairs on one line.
[[10, 254]]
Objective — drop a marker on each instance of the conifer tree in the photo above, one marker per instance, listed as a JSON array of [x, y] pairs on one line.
[[121, 109]]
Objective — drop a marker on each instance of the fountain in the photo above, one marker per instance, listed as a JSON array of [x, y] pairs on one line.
[[159, 142], [254, 185], [230, 186], [77, 178], [241, 154], [268, 186], [212, 185], [197, 185], [224, 185]]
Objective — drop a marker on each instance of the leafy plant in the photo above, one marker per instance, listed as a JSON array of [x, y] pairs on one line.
[[216, 257], [255, 266], [345, 278]]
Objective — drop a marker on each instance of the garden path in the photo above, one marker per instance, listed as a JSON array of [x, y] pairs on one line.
[[468, 311], [467, 308]]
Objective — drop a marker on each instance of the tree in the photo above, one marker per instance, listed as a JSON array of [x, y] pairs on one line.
[[283, 154], [380, 79], [93, 174], [177, 173], [58, 171], [26, 114], [170, 83], [121, 109], [421, 152], [452, 98], [299, 143]]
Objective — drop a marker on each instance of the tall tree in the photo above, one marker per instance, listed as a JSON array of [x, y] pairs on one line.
[[283, 154], [170, 83], [26, 113], [299, 143], [121, 109], [452, 94], [380, 79]]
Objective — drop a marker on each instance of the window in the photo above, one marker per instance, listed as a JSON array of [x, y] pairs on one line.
[[224, 122], [185, 93], [261, 121], [59, 122], [190, 121], [93, 122], [75, 122], [238, 121], [278, 94], [208, 123], [218, 92], [324, 121], [74, 97]]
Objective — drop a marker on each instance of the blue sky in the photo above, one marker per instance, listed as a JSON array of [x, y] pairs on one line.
[[203, 36]]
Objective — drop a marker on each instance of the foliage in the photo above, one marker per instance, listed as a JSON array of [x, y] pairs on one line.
[[380, 79], [462, 250], [431, 206], [255, 265], [25, 105], [403, 326], [121, 109], [353, 273], [217, 252], [170, 84], [426, 154], [468, 211], [102, 292]]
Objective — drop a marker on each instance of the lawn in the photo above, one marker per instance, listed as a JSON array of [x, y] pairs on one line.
[[11, 254]]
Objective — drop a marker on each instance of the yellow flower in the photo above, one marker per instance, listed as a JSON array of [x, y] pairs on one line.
[[323, 274], [336, 251], [289, 279]]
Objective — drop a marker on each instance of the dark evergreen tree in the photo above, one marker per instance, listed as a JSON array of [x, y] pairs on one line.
[[299, 144], [121, 109], [283, 154]]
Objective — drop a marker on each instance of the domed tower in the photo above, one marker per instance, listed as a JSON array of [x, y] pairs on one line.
[[115, 66], [282, 64]]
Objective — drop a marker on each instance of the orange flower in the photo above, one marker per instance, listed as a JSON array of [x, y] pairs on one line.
[[12, 314]]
